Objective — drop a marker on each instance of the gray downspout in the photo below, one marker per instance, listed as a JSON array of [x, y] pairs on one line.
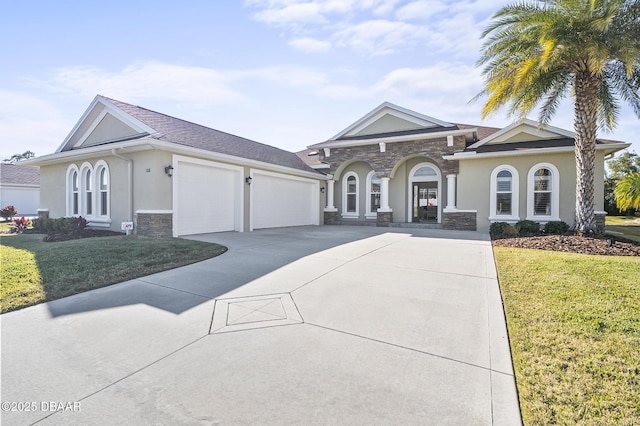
[[129, 178]]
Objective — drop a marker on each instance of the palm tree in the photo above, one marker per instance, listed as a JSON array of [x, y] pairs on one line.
[[537, 52], [627, 192]]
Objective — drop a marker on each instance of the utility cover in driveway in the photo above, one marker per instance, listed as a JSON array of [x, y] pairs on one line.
[[245, 313]]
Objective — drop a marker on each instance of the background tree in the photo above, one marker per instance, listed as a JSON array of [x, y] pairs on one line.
[[538, 52], [618, 167], [627, 192], [15, 158]]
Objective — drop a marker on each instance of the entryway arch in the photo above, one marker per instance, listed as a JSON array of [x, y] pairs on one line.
[[424, 193]]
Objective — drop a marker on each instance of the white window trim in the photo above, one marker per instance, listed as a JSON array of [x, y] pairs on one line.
[[99, 166], [555, 193], [515, 195], [412, 179], [370, 214], [96, 219], [86, 167], [70, 170], [345, 213]]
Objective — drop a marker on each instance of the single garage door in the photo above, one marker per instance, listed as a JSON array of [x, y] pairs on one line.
[[207, 198], [280, 200]]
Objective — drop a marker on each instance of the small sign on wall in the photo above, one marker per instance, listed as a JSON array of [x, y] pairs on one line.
[[127, 226]]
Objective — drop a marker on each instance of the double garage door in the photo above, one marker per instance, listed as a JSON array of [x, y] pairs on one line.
[[210, 197]]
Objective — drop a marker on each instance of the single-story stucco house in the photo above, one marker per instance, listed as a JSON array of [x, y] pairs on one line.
[[20, 188], [123, 163]]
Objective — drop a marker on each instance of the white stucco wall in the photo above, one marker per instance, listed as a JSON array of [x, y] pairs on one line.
[[474, 184]]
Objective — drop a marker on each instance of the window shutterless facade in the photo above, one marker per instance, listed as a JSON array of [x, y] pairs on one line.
[[88, 191], [543, 193]]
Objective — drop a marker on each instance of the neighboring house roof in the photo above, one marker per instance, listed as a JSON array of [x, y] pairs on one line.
[[13, 174], [145, 124]]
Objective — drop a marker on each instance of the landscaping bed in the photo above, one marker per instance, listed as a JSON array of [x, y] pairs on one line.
[[605, 245]]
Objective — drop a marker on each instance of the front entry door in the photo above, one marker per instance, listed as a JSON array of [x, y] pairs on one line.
[[425, 202]]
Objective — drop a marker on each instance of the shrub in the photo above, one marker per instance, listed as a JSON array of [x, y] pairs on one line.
[[556, 227], [510, 231], [8, 212], [527, 227], [19, 225], [497, 228], [63, 225]]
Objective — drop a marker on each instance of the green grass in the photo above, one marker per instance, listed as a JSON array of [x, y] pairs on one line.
[[33, 272], [574, 328], [627, 225]]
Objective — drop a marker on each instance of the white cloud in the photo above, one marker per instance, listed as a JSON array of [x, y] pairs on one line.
[[421, 9], [291, 14], [150, 80], [30, 123], [307, 44], [379, 37]]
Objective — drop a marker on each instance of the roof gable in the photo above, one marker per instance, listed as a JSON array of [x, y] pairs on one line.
[[523, 131], [101, 123], [389, 118], [108, 120]]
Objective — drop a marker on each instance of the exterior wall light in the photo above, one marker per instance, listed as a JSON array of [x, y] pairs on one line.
[[322, 189], [248, 180], [169, 170]]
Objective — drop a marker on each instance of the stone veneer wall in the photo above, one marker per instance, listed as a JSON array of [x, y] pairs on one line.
[[330, 218], [154, 224], [384, 162], [600, 221], [384, 218], [459, 221]]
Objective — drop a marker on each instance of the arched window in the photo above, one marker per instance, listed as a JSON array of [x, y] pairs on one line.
[[373, 195], [543, 197], [88, 192], [350, 194], [504, 201], [73, 190], [102, 188], [76, 193]]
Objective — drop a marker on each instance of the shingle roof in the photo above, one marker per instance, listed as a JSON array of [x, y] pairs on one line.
[[536, 144], [13, 174], [181, 132], [434, 129]]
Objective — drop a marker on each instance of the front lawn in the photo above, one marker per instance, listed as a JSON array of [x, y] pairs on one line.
[[574, 328], [627, 225], [34, 272]]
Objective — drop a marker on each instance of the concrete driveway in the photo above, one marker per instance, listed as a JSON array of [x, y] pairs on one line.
[[309, 325]]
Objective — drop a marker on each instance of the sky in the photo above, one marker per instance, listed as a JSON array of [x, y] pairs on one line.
[[288, 73]]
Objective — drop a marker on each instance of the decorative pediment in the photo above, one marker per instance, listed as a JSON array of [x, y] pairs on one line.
[[102, 123], [523, 131], [389, 118]]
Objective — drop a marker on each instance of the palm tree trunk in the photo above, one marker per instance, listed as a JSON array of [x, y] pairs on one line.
[[585, 125]]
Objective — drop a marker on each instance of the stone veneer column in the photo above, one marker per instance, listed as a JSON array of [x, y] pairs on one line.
[[451, 192], [330, 212], [330, 201], [385, 213], [384, 195]]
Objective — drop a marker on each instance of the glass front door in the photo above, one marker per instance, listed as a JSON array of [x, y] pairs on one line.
[[425, 202]]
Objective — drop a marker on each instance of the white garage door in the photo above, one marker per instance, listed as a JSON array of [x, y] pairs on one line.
[[280, 200], [207, 198]]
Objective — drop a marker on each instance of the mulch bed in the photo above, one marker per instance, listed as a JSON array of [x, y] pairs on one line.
[[606, 245]]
